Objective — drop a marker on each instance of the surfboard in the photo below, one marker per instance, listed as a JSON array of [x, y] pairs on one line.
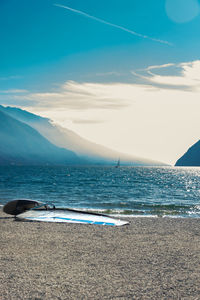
[[16, 207], [30, 210], [69, 216]]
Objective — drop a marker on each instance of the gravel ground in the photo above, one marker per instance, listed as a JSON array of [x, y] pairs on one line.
[[152, 258]]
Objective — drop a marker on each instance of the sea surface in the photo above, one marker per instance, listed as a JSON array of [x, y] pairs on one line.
[[127, 191]]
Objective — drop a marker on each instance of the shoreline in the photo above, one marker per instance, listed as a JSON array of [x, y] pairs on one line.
[[152, 258], [126, 215]]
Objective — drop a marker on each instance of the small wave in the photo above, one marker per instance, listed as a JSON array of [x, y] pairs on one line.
[[147, 210]]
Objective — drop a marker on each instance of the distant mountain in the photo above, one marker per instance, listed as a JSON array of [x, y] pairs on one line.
[[191, 157], [21, 144], [62, 137]]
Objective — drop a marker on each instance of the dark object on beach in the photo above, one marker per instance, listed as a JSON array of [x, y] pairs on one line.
[[16, 207]]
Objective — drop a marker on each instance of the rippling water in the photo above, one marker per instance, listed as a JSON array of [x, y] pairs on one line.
[[141, 191]]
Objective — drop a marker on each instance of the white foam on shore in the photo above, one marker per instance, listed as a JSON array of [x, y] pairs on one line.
[[133, 216], [115, 213], [121, 215]]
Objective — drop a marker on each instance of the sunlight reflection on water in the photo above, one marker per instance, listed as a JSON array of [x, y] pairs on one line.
[[127, 190]]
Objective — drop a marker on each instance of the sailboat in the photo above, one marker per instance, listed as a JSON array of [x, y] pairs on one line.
[[118, 163]]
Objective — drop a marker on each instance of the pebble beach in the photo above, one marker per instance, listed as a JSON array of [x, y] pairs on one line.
[[151, 258]]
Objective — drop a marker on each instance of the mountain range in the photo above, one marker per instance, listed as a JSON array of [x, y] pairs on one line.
[[21, 144], [27, 138]]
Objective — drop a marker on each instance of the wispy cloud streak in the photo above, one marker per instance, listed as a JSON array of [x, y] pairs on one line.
[[184, 76], [113, 25], [13, 91]]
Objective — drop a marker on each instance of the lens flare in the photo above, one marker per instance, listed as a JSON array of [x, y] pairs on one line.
[[182, 11]]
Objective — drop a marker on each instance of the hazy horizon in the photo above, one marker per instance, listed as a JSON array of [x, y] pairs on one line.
[[121, 74]]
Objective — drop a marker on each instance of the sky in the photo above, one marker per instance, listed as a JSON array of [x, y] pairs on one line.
[[121, 73]]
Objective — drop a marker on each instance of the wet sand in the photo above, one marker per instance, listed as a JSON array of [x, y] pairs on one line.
[[152, 258]]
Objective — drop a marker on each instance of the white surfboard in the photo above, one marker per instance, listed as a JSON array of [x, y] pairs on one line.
[[69, 216]]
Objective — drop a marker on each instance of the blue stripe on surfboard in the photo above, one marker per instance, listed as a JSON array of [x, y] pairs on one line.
[[74, 220]]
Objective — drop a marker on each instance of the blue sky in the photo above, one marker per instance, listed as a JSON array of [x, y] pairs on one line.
[[52, 57]]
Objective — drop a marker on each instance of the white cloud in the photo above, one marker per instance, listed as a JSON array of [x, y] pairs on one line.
[[84, 96], [150, 119], [160, 66], [85, 121], [188, 77]]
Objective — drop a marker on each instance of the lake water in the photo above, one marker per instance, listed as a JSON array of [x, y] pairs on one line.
[[128, 191]]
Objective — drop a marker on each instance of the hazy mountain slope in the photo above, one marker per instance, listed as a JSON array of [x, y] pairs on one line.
[[20, 114], [68, 139], [191, 157], [20, 143]]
